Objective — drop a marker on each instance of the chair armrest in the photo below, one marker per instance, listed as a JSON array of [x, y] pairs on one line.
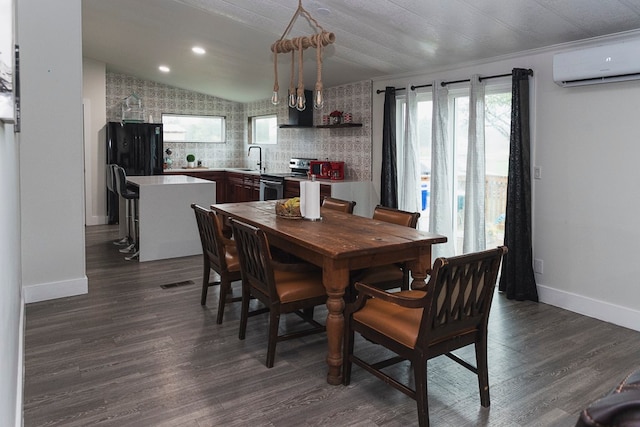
[[365, 290]]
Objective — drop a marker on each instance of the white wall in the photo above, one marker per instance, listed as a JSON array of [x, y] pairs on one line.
[[585, 207], [51, 149], [11, 306], [95, 117]]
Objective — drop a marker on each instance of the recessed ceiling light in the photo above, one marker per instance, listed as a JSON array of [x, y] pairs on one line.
[[198, 50], [323, 11], [164, 68]]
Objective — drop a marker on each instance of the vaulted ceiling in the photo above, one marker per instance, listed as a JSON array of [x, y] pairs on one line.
[[373, 38]]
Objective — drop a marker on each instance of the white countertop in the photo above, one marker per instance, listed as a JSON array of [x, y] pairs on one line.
[[322, 181], [205, 169], [171, 172], [151, 180]]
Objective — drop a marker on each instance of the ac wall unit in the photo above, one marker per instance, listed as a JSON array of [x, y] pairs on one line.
[[600, 64]]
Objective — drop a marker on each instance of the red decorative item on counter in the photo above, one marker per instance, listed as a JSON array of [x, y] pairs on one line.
[[327, 170], [336, 117]]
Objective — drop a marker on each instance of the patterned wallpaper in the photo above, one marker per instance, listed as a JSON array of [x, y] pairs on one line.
[[351, 145]]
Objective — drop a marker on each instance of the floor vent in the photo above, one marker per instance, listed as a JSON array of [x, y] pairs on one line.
[[177, 284]]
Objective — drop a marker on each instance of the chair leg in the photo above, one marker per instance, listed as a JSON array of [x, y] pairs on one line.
[[225, 288], [122, 242], [483, 372], [136, 224], [420, 377], [205, 282], [244, 311], [405, 278], [128, 249], [131, 221], [274, 323], [308, 313], [347, 351], [132, 231]]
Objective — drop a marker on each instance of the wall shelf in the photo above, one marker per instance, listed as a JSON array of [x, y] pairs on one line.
[[341, 125]]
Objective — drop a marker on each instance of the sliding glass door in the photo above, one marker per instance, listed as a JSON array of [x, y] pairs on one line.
[[497, 129]]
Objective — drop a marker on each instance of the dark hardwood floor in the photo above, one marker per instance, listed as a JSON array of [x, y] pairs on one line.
[[130, 353]]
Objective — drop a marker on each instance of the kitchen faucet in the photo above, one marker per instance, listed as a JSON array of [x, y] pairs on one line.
[[259, 152]]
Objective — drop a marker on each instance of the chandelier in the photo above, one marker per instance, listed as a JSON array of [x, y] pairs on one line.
[[321, 38]]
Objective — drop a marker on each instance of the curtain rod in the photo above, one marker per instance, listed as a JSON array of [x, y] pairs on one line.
[[379, 91]]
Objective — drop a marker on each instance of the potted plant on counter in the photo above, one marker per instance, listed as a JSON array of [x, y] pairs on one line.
[[191, 161]]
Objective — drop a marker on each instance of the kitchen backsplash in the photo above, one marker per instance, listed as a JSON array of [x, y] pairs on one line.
[[351, 145]]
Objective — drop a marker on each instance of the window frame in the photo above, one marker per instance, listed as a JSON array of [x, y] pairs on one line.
[[273, 125], [218, 127], [456, 92]]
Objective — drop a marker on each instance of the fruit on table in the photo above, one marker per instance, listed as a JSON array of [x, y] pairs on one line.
[[290, 207], [293, 202]]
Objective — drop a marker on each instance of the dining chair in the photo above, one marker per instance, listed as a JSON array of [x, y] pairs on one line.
[[417, 325], [345, 206], [282, 288], [219, 254], [132, 198], [387, 276]]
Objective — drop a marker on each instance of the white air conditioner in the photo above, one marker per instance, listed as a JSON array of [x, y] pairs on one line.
[[600, 64]]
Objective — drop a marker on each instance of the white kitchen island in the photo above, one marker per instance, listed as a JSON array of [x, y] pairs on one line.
[[167, 223]]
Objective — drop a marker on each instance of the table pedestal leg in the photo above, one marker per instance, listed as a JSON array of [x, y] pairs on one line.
[[420, 269], [335, 280]]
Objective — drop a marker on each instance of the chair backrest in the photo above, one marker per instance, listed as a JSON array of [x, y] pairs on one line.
[[396, 216], [211, 237], [345, 206], [255, 260], [111, 183], [460, 292], [120, 178]]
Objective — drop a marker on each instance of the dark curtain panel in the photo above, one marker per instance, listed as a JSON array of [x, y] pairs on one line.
[[389, 179], [517, 278]]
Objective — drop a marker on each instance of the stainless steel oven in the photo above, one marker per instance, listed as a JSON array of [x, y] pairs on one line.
[[271, 187], [272, 184]]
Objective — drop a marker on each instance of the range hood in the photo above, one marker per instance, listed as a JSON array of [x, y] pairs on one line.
[[301, 119]]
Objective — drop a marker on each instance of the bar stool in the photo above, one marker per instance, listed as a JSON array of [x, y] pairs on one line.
[[132, 198], [112, 188]]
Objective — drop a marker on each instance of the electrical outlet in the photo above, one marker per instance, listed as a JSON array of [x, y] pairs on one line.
[[537, 172], [538, 266]]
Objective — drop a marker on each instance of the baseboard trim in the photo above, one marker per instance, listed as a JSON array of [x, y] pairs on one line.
[[53, 290], [597, 309]]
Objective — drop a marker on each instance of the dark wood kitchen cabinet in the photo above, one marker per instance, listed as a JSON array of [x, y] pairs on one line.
[[220, 177], [255, 187], [292, 189], [242, 187]]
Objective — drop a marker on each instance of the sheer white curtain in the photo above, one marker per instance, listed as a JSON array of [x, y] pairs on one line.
[[441, 203], [409, 179], [474, 221]]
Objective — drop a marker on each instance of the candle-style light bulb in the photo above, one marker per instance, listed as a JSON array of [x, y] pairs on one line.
[[292, 99], [274, 98], [318, 100], [301, 103]]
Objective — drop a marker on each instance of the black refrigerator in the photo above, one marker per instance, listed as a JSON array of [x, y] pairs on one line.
[[137, 147]]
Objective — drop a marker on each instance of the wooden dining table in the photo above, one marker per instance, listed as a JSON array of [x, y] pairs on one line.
[[339, 243]]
